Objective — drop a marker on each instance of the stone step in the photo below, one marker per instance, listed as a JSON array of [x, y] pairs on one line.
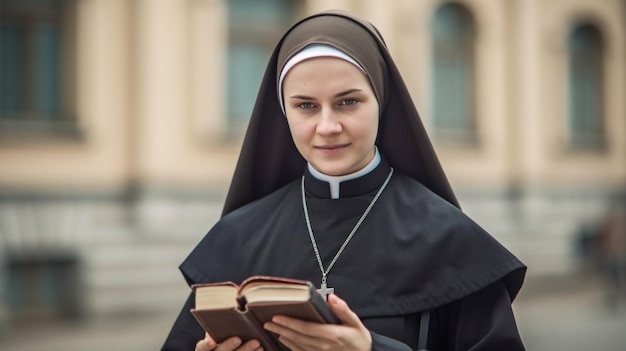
[[136, 299], [138, 254], [126, 272]]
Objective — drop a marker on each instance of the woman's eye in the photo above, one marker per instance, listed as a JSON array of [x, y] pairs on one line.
[[348, 102], [306, 105]]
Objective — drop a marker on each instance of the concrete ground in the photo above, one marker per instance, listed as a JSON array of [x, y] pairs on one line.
[[553, 315], [571, 314]]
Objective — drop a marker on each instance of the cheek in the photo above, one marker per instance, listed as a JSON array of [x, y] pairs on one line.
[[364, 133], [298, 133], [372, 130], [370, 122], [372, 134]]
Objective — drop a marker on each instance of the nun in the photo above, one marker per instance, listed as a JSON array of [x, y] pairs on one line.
[[338, 183]]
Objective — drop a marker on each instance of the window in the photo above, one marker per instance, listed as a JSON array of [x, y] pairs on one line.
[[453, 85], [255, 27], [585, 95], [36, 59], [42, 286]]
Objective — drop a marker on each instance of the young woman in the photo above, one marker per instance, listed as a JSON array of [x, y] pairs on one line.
[[337, 183]]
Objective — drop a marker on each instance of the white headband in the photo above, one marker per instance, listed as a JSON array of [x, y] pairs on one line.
[[311, 51]]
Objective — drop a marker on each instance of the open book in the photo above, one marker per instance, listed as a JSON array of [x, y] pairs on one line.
[[226, 309]]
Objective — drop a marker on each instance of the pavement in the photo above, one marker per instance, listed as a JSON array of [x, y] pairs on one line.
[[553, 314], [570, 313]]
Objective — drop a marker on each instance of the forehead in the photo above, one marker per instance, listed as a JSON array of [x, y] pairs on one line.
[[325, 71]]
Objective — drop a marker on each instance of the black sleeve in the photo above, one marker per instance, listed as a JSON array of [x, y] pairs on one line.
[[482, 321], [380, 343], [186, 331]]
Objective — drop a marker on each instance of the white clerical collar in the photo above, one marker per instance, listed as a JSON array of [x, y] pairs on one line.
[[335, 181]]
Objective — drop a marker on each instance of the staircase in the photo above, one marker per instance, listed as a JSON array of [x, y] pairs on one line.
[[128, 256], [133, 267], [541, 230]]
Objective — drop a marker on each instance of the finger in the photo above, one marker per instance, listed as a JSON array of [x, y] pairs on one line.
[[252, 345], [235, 343], [345, 314], [294, 329], [206, 344], [290, 344], [209, 342], [229, 344]]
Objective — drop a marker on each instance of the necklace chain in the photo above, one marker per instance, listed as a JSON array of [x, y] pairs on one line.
[[345, 243]]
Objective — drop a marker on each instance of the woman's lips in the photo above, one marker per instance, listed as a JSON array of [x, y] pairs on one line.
[[331, 149]]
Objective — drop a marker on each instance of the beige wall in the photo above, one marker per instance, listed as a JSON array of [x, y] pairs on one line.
[[151, 96], [151, 108], [179, 95], [102, 158], [556, 164]]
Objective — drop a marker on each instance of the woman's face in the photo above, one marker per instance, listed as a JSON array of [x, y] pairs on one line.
[[332, 114]]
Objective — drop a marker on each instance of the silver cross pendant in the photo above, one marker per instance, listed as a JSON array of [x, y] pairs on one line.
[[324, 290]]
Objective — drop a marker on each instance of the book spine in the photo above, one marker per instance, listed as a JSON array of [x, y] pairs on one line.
[[225, 323], [266, 340]]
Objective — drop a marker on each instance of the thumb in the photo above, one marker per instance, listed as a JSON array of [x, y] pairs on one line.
[[345, 314]]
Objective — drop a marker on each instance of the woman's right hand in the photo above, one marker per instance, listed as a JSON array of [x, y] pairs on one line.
[[230, 344]]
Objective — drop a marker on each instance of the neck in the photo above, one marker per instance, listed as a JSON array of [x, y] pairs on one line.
[[334, 182]]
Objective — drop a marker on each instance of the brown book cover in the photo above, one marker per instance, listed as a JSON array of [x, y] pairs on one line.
[[226, 309]]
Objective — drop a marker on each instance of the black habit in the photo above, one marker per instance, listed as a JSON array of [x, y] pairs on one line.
[[416, 251]]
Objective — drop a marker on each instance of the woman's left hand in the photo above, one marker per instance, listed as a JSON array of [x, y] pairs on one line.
[[300, 335]]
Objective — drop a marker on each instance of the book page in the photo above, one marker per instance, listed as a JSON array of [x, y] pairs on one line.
[[216, 296], [268, 292]]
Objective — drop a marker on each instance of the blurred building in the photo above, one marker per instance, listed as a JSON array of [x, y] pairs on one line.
[[121, 121]]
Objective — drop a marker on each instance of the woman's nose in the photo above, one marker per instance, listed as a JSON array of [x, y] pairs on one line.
[[328, 123]]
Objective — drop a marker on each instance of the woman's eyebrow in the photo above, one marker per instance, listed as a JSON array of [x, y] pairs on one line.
[[301, 97], [338, 95], [347, 92]]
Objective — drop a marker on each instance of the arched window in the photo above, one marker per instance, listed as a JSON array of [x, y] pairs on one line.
[[254, 29], [453, 77], [585, 74]]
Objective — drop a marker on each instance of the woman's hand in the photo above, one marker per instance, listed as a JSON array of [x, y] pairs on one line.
[[299, 335], [230, 344]]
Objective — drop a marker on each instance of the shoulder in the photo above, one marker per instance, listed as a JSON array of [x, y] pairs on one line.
[[256, 217], [244, 229], [263, 207], [413, 199], [455, 239], [416, 192]]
